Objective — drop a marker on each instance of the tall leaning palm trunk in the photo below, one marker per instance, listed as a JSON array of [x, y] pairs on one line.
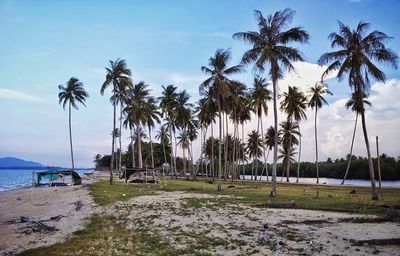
[[316, 143], [139, 143], [351, 150], [357, 57], [70, 136]]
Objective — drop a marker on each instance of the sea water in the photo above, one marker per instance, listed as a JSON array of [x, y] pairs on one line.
[[13, 179]]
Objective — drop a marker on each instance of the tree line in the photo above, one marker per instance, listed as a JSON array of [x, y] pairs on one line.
[[229, 103]]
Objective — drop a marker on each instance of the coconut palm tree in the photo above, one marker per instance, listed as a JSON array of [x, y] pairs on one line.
[[117, 75], [288, 134], [294, 104], [163, 137], [168, 105], [317, 100], [184, 142], [356, 103], [356, 57], [72, 94], [152, 117], [270, 47], [254, 149], [218, 85], [137, 109], [259, 96]]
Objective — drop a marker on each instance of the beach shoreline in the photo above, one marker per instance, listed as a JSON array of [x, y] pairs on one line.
[[55, 207]]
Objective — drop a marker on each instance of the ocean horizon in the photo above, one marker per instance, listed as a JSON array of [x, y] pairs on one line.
[[20, 178]]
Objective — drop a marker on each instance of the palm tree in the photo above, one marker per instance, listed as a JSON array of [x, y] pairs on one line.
[[259, 96], [354, 57], [254, 149], [72, 94], [168, 105], [270, 47], [163, 137], [218, 85], [317, 100], [97, 160], [117, 75], [137, 109], [294, 103], [184, 142], [356, 103], [152, 117], [288, 134]]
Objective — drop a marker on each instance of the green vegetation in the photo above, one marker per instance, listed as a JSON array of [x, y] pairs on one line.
[[333, 198], [107, 235]]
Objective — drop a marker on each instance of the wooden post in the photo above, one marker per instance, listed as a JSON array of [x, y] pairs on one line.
[[379, 164]]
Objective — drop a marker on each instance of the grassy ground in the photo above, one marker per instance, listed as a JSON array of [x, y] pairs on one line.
[[104, 235]]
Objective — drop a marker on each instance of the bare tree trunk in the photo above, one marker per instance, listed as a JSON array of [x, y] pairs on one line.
[[226, 147], [351, 150], [298, 162], [70, 138], [274, 81], [371, 166]]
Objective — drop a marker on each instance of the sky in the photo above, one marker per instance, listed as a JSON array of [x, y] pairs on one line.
[[44, 43]]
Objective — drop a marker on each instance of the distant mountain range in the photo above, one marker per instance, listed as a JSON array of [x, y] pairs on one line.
[[13, 162], [17, 163]]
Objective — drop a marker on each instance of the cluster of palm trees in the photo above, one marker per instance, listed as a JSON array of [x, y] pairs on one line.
[[229, 101]]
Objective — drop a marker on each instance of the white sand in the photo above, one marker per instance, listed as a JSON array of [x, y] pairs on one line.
[[41, 204], [166, 213]]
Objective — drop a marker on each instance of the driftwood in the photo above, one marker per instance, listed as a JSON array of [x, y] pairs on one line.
[[37, 225], [389, 241], [78, 205]]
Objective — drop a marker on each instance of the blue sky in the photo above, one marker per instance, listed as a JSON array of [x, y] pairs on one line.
[[44, 43]]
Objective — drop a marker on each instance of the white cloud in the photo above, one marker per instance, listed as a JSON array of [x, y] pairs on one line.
[[17, 95]]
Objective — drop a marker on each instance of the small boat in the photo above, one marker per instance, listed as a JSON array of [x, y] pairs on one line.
[[56, 178]]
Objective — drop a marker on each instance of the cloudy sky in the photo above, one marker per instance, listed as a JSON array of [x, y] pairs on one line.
[[44, 43]]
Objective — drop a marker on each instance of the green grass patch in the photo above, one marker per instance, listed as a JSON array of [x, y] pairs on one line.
[[104, 193]]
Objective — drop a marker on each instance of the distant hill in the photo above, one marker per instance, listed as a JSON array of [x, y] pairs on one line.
[[13, 162]]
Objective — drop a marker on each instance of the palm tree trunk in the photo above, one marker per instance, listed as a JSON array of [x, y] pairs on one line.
[[176, 151], [133, 149], [219, 143], [139, 142], [298, 162], [252, 170], [113, 142], [212, 164], [70, 138], [274, 81], [371, 166], [120, 136], [172, 149], [265, 158], [243, 167], [226, 147], [151, 150], [316, 143], [351, 150]]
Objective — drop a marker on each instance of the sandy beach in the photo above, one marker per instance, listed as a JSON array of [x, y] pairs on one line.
[[185, 219], [55, 206]]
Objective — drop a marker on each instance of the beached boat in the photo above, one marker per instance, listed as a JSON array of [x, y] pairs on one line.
[[55, 178]]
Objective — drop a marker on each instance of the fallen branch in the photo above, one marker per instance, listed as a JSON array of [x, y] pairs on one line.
[[389, 241], [37, 224]]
